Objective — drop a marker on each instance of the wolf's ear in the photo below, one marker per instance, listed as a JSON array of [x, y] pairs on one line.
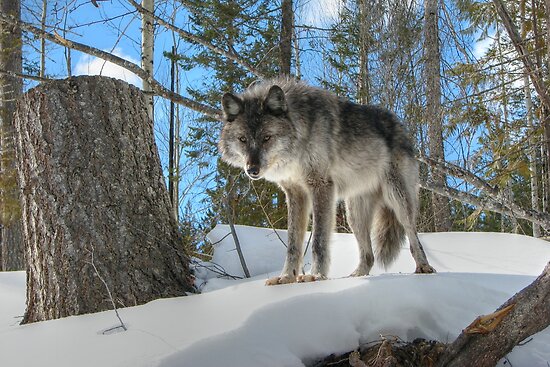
[[275, 100], [232, 106]]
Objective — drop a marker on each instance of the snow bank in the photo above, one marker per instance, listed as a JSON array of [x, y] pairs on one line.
[[468, 252], [248, 324]]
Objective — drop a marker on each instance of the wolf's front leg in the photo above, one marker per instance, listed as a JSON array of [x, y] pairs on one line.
[[299, 206], [324, 211]]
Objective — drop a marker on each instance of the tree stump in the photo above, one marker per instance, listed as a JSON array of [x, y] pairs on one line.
[[94, 202]]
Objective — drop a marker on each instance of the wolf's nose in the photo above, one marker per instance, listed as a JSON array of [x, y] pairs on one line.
[[253, 171]]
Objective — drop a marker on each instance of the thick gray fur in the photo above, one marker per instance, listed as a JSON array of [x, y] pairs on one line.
[[320, 149]]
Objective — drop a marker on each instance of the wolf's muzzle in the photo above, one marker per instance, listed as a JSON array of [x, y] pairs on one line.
[[253, 172]]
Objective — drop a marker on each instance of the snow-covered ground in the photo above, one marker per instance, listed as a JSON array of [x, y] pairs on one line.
[[244, 323]]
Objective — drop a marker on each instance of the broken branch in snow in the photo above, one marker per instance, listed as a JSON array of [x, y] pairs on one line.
[[487, 323], [523, 315], [230, 214]]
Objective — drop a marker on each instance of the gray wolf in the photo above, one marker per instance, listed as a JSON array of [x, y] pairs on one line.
[[320, 149]]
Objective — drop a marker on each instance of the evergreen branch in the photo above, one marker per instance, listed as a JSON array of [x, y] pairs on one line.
[[231, 54], [520, 47], [157, 87]]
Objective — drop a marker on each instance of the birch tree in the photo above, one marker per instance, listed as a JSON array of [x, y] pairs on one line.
[[147, 50]]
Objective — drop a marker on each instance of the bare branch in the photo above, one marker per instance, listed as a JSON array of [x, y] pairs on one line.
[[488, 204], [24, 76], [461, 173], [267, 215], [494, 201], [91, 262], [158, 88]]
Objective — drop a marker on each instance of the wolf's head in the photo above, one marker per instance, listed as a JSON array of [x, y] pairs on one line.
[[258, 134]]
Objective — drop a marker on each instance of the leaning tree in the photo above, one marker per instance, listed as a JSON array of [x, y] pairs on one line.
[[96, 213]]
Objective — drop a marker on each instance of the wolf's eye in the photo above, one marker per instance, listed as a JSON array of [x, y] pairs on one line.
[[267, 137], [242, 139]]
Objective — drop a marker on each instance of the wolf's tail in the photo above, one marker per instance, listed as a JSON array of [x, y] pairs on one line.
[[388, 235]]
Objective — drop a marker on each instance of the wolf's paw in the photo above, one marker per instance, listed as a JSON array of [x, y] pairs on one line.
[[425, 269], [283, 279], [359, 272], [306, 278]]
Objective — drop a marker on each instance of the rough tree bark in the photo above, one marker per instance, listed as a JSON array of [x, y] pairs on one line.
[[433, 117], [11, 243], [92, 184], [486, 341]]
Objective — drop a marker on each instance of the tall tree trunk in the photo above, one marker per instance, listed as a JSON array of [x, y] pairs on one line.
[[285, 45], [506, 190], [533, 140], [546, 110], [364, 22], [298, 64], [173, 175], [42, 72], [11, 244], [147, 51], [535, 70], [93, 197], [434, 116], [544, 78]]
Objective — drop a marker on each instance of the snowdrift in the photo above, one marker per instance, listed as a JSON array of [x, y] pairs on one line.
[[238, 322]]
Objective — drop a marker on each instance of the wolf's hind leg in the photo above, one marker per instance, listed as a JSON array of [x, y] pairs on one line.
[[299, 206], [359, 212]]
